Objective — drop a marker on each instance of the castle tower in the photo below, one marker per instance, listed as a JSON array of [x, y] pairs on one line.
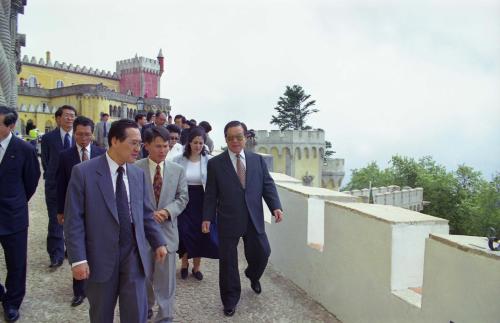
[[140, 76]]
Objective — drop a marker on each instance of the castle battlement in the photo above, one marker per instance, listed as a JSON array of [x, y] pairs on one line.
[[70, 68], [288, 137], [145, 64]]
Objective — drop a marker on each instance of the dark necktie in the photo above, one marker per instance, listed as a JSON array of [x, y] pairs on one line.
[[84, 154], [105, 130], [122, 206], [67, 142], [240, 170], [157, 183]]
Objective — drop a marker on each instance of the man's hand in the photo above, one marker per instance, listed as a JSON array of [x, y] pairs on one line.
[[160, 254], [161, 216], [81, 271], [60, 218], [278, 215], [205, 226]]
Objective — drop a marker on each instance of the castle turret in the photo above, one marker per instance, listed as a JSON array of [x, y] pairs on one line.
[[140, 76], [160, 61]]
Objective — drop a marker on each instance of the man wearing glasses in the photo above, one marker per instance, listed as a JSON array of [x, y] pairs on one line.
[[176, 148], [52, 144], [82, 151], [108, 223], [237, 181]]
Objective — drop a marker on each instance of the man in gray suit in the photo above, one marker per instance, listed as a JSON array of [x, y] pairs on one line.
[[167, 186], [101, 131], [108, 217]]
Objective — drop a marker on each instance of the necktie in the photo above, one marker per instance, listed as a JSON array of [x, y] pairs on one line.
[[84, 154], [240, 170], [105, 130], [157, 183], [122, 206], [67, 142]]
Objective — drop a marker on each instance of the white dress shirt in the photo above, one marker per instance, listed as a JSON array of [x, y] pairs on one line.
[[63, 134], [3, 146], [87, 151], [175, 151]]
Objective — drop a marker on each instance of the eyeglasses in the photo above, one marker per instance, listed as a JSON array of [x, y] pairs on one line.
[[136, 144], [83, 135], [68, 116], [237, 137]]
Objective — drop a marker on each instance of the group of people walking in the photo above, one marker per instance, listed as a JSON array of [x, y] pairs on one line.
[[126, 206]]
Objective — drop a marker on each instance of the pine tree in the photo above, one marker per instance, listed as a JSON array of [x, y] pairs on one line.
[[293, 108]]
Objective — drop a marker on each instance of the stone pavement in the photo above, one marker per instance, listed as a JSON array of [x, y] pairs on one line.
[[49, 292]]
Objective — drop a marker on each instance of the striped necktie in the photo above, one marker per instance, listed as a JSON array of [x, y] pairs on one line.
[[240, 170], [157, 184], [84, 154]]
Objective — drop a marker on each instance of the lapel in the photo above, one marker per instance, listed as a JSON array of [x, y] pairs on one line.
[[75, 155], [167, 175], [93, 151], [10, 154], [56, 133], [144, 164], [228, 166], [134, 182], [249, 170], [105, 184]]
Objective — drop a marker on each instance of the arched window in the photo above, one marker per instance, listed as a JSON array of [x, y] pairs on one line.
[[59, 84], [32, 81]]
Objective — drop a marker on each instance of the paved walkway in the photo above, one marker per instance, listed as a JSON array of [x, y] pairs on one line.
[[49, 292]]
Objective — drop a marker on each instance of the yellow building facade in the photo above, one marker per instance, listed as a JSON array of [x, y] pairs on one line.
[[44, 86]]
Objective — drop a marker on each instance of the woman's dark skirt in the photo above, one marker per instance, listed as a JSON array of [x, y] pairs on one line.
[[191, 239]]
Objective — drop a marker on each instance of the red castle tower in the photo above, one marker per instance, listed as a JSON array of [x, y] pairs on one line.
[[140, 76]]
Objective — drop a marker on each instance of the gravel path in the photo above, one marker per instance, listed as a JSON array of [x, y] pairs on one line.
[[49, 292]]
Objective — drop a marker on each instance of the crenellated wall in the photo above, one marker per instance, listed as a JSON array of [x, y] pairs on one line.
[[365, 262]]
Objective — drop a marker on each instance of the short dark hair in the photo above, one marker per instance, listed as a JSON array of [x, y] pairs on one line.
[[174, 128], [83, 121], [118, 129], [177, 116], [234, 123], [193, 122], [104, 115], [59, 111], [205, 125], [158, 113], [151, 133], [193, 133], [139, 116], [10, 115], [149, 115]]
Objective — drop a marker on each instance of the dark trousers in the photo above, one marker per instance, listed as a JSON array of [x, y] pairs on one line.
[[55, 239], [257, 252], [128, 284], [79, 287], [15, 248]]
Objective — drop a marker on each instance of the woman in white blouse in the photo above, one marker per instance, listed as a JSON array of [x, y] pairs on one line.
[[192, 242]]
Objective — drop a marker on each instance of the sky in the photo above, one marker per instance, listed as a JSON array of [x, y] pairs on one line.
[[413, 78]]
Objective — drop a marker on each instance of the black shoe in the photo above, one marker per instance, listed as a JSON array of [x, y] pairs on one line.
[[55, 263], [150, 314], [77, 300], [198, 275], [254, 284], [184, 273], [229, 311], [11, 314]]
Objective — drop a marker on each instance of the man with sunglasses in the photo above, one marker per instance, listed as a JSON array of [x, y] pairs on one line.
[[237, 181], [176, 148]]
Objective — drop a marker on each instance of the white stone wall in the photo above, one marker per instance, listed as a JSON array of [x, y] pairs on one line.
[[360, 261]]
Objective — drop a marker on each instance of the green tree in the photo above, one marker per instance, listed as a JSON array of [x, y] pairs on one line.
[[361, 178], [293, 108]]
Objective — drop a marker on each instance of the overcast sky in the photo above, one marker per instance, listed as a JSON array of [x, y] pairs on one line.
[[390, 77]]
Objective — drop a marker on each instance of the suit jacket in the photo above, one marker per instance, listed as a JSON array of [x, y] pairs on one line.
[[173, 197], [181, 160], [99, 138], [225, 196], [91, 225], [51, 146], [19, 174], [67, 159]]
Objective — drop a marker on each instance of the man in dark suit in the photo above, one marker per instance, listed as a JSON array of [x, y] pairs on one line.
[[108, 215], [52, 144], [83, 150], [19, 174], [237, 180]]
